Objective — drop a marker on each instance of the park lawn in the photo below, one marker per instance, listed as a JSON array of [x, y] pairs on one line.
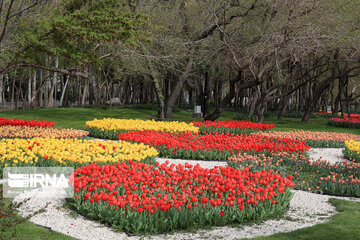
[[12, 226], [77, 116], [344, 225], [315, 124]]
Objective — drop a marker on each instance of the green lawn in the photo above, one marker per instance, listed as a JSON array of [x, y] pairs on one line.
[[343, 226], [76, 117], [315, 124], [12, 226]]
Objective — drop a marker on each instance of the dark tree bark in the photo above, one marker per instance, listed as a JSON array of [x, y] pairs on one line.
[[179, 85], [227, 100]]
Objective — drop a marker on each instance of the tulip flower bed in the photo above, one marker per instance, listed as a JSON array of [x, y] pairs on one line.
[[352, 150], [49, 152], [110, 128], [140, 198], [344, 123], [212, 146], [339, 179], [315, 139], [229, 126], [330, 115], [30, 123], [31, 132]]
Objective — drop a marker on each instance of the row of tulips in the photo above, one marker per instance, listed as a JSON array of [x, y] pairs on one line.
[[315, 139], [30, 123], [140, 198], [330, 115], [49, 152], [344, 123], [230, 126], [318, 176], [212, 146], [31, 132], [110, 128], [352, 150]]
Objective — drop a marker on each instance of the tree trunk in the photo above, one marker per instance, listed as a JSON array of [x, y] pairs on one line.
[[170, 101], [53, 83], [226, 101], [29, 88], [33, 90], [1, 88], [159, 96], [284, 105], [47, 82], [86, 87], [254, 101], [12, 100], [316, 95], [41, 93], [63, 91]]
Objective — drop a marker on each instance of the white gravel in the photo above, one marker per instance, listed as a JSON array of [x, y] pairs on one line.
[[333, 155], [305, 210], [203, 164]]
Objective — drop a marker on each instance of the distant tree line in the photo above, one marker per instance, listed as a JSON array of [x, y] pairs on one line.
[[253, 55]]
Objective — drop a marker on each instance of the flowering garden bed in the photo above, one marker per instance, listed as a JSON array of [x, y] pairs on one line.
[[344, 123], [212, 146], [319, 176], [352, 150], [110, 128], [30, 123], [119, 184], [139, 198], [49, 152], [316, 139], [31, 132], [229, 126]]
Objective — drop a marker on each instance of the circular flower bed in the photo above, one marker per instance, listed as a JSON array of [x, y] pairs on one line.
[[139, 198], [315, 139], [344, 123], [47, 152], [109, 128], [30, 123], [338, 179], [352, 150], [229, 126], [31, 132], [212, 146]]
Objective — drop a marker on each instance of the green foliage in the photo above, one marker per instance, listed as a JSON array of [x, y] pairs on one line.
[[234, 130], [325, 144], [75, 29], [85, 25]]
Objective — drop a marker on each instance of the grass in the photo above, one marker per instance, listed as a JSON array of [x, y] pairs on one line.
[[76, 117], [315, 124], [12, 226], [344, 225]]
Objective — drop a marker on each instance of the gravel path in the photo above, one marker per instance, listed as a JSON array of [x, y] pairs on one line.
[[305, 210]]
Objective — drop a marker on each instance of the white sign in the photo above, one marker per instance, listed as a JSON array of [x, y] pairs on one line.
[[47, 180]]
